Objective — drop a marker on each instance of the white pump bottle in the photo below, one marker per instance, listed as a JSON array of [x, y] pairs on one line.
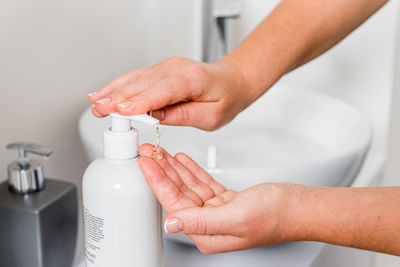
[[122, 217]]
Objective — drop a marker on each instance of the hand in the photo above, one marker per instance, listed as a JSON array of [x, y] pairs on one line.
[[217, 219], [179, 91]]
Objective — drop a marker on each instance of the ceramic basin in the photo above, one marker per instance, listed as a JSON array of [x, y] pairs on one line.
[[289, 134]]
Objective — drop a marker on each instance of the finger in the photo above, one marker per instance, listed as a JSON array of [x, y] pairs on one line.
[[170, 197], [210, 244], [168, 91], [214, 202], [96, 113], [147, 149], [202, 221], [200, 173], [119, 98], [116, 83], [192, 114], [190, 180], [182, 177], [222, 199], [159, 114]]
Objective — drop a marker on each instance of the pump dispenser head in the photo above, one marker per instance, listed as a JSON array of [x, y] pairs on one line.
[[121, 139], [26, 175]]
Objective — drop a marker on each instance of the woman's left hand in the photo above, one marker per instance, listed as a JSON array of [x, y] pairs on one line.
[[217, 219]]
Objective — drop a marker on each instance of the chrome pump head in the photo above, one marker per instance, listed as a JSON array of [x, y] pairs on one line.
[[26, 176]]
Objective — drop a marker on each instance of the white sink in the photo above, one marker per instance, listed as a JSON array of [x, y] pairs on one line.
[[289, 134]]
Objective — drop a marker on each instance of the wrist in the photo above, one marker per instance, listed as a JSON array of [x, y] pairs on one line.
[[259, 72], [296, 226], [244, 85], [235, 81]]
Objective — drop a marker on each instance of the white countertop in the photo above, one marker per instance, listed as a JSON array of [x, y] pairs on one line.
[[289, 254]]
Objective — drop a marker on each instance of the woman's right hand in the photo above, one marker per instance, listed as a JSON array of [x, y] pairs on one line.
[[179, 91]]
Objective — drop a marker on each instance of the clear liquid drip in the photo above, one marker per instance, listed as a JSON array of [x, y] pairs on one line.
[[157, 154]]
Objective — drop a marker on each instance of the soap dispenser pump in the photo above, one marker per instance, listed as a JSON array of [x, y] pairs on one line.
[[38, 216], [122, 217], [26, 176]]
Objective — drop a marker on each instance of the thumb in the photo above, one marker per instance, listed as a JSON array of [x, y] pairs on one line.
[[202, 115], [200, 221]]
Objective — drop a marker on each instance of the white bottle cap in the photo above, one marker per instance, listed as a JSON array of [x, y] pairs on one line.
[[121, 140]]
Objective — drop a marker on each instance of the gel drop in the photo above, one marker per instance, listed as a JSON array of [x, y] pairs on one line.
[[157, 154]]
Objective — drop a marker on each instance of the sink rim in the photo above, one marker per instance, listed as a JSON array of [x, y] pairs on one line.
[[354, 150]]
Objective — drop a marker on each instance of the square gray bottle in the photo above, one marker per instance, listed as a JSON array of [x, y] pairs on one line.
[[38, 217]]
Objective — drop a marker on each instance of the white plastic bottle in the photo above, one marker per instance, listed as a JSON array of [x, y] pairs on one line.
[[122, 217]]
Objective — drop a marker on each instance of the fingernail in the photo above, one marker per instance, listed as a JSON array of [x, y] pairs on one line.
[[173, 226], [91, 94], [159, 114], [104, 101], [125, 105]]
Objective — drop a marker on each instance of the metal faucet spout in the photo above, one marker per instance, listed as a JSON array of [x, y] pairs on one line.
[[215, 33]]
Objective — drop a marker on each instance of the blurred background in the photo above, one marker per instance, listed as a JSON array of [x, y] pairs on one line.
[[53, 53]]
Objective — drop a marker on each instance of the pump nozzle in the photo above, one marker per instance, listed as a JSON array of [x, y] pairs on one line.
[[121, 140], [121, 123]]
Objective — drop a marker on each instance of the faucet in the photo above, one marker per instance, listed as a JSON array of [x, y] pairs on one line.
[[215, 34]]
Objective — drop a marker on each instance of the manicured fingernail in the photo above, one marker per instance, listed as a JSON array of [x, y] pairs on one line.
[[159, 114], [125, 105], [91, 94], [104, 101], [173, 226]]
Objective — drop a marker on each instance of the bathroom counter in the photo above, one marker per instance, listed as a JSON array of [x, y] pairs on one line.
[[300, 254]]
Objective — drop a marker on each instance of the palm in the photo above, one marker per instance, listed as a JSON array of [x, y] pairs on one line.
[[179, 183], [216, 219]]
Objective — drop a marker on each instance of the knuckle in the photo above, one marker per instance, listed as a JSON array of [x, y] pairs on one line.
[[166, 89], [182, 114], [198, 71], [164, 86], [147, 81], [174, 61], [200, 227]]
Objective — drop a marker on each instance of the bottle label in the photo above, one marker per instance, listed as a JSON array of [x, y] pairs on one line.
[[93, 228]]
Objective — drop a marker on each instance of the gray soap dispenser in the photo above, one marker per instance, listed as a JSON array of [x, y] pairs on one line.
[[38, 217]]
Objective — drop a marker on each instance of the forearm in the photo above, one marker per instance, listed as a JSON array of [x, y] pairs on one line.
[[366, 218], [295, 32]]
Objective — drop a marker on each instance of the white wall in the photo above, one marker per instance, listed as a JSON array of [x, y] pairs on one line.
[[52, 53]]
